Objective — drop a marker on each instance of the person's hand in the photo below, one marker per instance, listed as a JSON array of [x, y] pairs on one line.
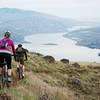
[[25, 59], [15, 57]]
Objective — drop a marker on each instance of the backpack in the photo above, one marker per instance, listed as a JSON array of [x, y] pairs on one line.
[[4, 43], [19, 49], [20, 52]]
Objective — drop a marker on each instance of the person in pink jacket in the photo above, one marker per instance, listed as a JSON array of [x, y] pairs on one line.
[[6, 49]]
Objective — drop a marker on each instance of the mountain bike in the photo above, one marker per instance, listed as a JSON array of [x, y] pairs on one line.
[[20, 72], [4, 82]]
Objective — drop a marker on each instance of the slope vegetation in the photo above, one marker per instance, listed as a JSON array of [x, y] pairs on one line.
[[55, 81]]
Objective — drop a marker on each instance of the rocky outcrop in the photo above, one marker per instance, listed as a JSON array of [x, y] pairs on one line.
[[74, 83], [66, 61], [86, 90], [76, 65], [50, 59]]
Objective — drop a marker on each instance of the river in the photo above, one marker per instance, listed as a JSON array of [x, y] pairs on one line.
[[60, 47]]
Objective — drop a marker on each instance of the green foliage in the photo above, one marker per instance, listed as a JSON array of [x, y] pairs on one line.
[[29, 97]]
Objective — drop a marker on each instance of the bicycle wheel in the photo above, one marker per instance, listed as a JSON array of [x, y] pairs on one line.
[[20, 72], [4, 77]]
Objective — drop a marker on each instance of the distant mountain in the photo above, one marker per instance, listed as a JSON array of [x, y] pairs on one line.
[[22, 23], [89, 37]]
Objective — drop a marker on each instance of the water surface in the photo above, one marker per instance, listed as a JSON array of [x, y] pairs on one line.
[[65, 47]]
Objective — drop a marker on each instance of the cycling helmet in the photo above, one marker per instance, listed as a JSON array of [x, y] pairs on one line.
[[7, 34], [19, 45]]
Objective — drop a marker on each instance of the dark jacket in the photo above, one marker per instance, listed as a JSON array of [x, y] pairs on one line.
[[22, 53]]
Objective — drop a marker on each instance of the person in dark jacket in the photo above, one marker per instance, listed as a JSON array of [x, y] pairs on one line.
[[20, 56]]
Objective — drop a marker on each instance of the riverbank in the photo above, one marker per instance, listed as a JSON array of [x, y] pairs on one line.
[[85, 36]]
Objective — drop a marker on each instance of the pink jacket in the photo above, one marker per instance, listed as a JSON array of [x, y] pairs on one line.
[[9, 49]]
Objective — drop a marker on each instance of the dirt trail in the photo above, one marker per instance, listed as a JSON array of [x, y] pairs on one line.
[[15, 82], [4, 96]]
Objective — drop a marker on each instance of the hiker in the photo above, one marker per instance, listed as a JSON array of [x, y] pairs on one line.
[[20, 54], [6, 49]]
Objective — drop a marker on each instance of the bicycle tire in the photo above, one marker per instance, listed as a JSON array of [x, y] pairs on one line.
[[4, 77], [20, 72]]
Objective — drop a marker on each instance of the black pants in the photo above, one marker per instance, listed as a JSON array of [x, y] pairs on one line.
[[7, 58]]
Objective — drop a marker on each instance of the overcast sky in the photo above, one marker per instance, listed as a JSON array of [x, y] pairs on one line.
[[77, 9]]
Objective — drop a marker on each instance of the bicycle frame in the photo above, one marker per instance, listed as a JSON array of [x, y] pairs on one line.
[[4, 76], [20, 72]]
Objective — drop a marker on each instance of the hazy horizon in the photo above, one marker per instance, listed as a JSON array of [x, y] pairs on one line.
[[76, 9]]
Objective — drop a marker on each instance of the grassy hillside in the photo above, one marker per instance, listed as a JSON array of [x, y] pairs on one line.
[[55, 81]]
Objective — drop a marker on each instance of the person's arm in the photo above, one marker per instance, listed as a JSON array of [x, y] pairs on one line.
[[17, 51], [25, 54], [14, 50]]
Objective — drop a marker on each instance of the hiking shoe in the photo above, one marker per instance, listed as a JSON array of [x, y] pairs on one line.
[[23, 76], [9, 84], [9, 79], [17, 69]]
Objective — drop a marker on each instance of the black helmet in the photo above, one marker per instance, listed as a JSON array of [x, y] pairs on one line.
[[19, 45], [7, 34]]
